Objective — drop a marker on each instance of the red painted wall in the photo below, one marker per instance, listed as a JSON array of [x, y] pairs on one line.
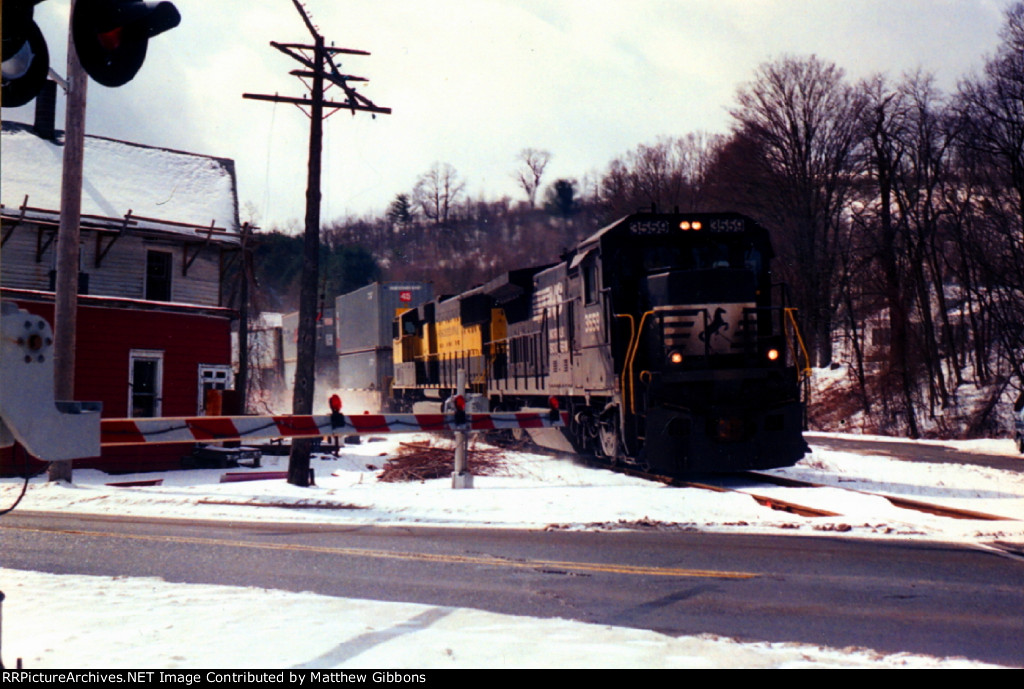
[[104, 340]]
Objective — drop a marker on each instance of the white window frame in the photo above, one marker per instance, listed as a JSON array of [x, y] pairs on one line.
[[229, 380]]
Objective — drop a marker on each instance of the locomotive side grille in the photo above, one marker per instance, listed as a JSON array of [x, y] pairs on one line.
[[678, 325]]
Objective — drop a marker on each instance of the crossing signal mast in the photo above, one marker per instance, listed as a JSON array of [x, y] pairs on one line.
[[107, 41], [110, 39]]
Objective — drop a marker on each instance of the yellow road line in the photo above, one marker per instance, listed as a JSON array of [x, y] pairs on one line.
[[610, 568]]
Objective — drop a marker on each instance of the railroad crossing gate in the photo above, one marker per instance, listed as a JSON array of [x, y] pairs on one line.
[[53, 430]]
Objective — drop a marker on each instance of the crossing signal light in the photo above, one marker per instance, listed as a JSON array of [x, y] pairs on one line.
[[460, 410], [553, 413], [110, 39], [337, 418], [26, 61], [111, 36]]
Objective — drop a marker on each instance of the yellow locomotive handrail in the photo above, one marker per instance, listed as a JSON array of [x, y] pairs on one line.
[[634, 346], [805, 369], [632, 334]]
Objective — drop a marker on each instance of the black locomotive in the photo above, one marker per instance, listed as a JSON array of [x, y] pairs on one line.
[[662, 336]]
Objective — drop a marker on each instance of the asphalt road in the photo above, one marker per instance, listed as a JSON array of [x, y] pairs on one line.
[[936, 599]]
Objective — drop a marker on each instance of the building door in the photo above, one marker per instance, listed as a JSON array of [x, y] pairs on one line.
[[145, 382]]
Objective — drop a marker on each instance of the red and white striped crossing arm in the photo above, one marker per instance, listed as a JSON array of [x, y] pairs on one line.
[[53, 430], [200, 429]]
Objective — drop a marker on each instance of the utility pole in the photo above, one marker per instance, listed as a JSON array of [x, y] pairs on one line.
[[65, 316], [318, 61], [245, 270]]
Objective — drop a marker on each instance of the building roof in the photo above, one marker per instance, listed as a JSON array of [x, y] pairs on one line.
[[164, 190]]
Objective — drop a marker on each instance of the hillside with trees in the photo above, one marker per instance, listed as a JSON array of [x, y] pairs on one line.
[[897, 212]]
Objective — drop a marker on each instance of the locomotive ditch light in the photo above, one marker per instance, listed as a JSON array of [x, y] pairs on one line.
[[772, 354], [675, 358]]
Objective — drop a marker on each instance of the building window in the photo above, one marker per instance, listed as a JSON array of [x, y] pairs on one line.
[[145, 383], [158, 276], [83, 277], [213, 377]]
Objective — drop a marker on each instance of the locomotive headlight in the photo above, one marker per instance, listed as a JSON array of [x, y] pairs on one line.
[[675, 358], [772, 354], [688, 225]]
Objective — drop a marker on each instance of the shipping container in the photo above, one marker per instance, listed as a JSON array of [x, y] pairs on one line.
[[365, 316], [365, 331]]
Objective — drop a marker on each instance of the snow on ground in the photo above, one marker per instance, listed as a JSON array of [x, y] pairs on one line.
[[191, 626], [102, 625], [537, 491]]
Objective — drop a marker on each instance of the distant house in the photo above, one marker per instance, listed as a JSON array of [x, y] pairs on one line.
[[159, 230], [266, 364]]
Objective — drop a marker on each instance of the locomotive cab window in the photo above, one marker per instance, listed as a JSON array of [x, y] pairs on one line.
[[590, 281], [704, 255]]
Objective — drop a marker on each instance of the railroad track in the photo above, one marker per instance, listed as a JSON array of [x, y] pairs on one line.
[[806, 510], [775, 503], [896, 501]]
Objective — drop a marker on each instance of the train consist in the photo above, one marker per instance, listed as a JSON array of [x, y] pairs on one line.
[[661, 335]]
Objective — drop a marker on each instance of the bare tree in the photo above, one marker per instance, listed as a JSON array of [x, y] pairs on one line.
[[801, 116], [991, 109], [437, 192], [671, 172], [921, 182], [886, 124], [533, 162]]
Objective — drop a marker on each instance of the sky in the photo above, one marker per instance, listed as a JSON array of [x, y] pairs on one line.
[[145, 623], [473, 82]]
